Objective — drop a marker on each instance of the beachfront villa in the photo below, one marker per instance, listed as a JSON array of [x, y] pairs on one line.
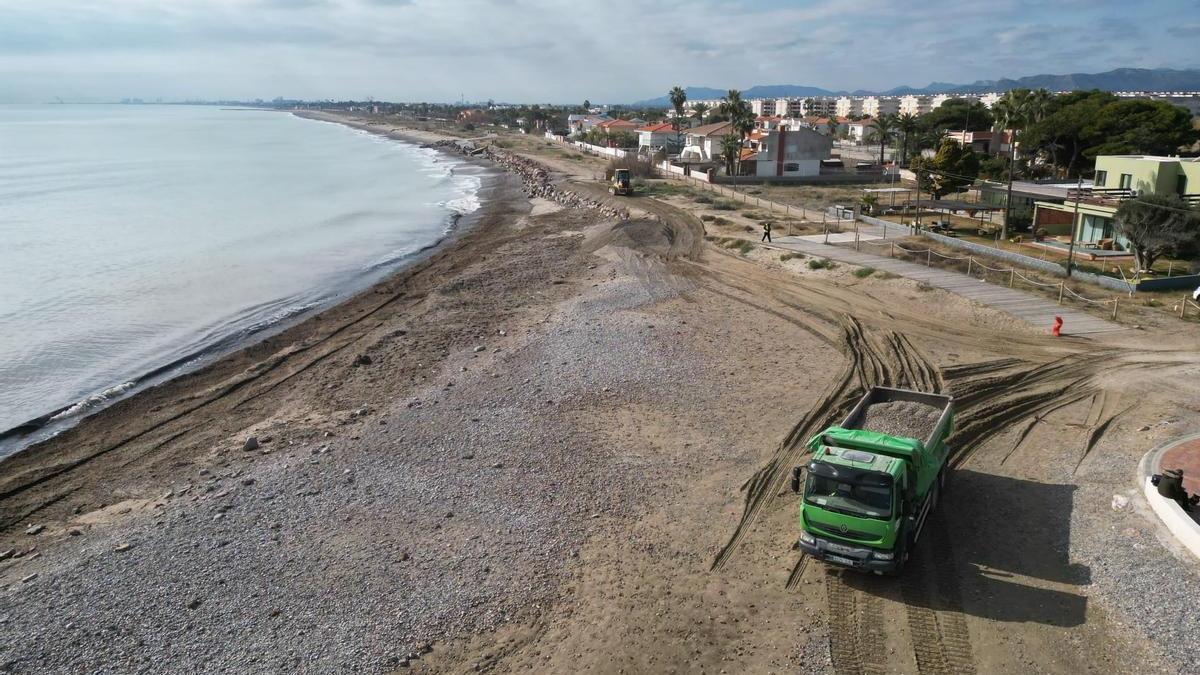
[[785, 152], [1089, 212], [703, 143]]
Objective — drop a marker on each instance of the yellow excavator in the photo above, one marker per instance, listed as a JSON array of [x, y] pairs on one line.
[[621, 184]]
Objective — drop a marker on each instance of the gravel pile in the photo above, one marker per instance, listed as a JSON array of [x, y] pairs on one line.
[[451, 512], [906, 419]]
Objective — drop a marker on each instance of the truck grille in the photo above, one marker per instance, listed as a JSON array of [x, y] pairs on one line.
[[847, 534]]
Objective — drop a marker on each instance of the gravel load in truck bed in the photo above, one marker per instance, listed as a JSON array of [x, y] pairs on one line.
[[906, 419]]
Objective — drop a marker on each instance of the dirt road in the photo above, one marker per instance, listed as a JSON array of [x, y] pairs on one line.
[[567, 451]]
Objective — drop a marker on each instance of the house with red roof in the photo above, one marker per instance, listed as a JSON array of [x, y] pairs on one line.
[[654, 137], [986, 142], [860, 130], [703, 143], [785, 152]]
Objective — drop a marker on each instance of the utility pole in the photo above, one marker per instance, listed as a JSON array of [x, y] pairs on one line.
[[1074, 219], [1008, 200], [917, 216]]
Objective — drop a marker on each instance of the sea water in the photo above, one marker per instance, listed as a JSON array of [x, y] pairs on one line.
[[141, 240]]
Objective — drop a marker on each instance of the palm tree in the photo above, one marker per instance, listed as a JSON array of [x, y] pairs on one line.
[[699, 110], [678, 97], [1011, 113], [740, 117], [1037, 104], [731, 152], [833, 127], [934, 138], [907, 123], [885, 128], [731, 103]]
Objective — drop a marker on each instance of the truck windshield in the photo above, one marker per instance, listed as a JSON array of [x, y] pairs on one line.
[[866, 494]]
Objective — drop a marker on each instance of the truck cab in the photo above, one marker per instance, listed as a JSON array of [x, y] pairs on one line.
[[867, 494]]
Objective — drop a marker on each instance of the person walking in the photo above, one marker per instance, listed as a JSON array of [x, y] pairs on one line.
[[766, 231]]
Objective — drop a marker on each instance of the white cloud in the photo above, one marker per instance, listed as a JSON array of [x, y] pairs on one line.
[[546, 50]]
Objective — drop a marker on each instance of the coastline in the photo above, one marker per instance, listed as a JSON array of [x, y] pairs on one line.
[[46, 426], [558, 447]]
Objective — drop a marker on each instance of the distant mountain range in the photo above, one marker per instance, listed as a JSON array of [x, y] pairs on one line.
[[1121, 79]]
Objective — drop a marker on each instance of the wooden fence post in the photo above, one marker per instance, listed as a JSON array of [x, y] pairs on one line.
[[1183, 308], [969, 261], [892, 253], [928, 256], [1011, 275], [1061, 286]]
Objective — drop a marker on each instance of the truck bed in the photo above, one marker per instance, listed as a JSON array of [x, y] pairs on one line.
[[902, 413]]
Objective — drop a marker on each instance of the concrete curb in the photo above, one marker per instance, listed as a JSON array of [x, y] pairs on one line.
[[1185, 530]]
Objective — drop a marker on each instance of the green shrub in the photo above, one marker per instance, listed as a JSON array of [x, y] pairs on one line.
[[703, 199], [791, 256], [639, 167], [723, 205], [864, 272], [821, 264], [746, 247]]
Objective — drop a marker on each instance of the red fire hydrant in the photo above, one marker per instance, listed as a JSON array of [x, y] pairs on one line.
[[1057, 327]]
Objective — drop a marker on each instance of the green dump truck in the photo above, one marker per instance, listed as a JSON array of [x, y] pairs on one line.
[[873, 480]]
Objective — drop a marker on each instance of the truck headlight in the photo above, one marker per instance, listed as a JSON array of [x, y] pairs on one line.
[[884, 555], [807, 538]]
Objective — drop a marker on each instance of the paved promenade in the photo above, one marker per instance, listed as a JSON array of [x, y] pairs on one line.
[[1033, 309]]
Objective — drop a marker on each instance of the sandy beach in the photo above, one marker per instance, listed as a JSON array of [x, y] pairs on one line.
[[559, 443]]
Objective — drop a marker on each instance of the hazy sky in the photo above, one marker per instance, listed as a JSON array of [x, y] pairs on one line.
[[541, 50]]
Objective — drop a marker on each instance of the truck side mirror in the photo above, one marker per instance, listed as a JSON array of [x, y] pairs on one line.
[[796, 471]]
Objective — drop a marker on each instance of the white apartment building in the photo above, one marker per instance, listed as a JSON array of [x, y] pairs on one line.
[[876, 106], [819, 106], [989, 99], [849, 106], [789, 107], [710, 103], [939, 99], [915, 105], [759, 107], [1188, 100]]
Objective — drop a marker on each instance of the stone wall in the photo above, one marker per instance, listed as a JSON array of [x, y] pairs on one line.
[[535, 178]]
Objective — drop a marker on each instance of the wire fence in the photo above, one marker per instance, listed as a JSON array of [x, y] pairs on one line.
[[735, 195], [832, 225], [978, 270]]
